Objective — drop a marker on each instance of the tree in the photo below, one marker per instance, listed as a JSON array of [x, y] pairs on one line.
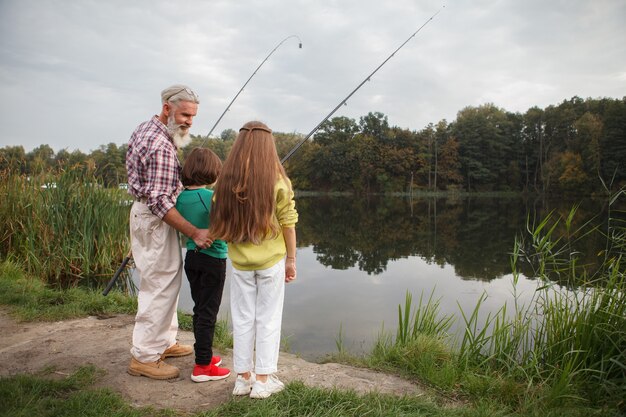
[[300, 167], [512, 178], [441, 135], [613, 141], [449, 164], [219, 146], [375, 125], [425, 156], [406, 144], [367, 164], [13, 159], [568, 172], [78, 158], [337, 129], [333, 165], [40, 159], [228, 135], [109, 162], [560, 132], [485, 148], [285, 142], [534, 148], [588, 133], [62, 158]]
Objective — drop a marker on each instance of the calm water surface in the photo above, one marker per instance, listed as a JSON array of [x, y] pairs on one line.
[[357, 258]]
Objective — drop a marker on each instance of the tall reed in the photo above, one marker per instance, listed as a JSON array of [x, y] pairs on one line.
[[570, 338], [63, 227]]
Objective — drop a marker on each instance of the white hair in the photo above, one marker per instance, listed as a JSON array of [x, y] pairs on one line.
[[179, 92]]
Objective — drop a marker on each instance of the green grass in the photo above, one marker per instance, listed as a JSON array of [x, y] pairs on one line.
[[45, 396], [299, 400], [31, 299]]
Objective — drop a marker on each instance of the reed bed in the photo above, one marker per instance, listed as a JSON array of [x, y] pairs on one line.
[[63, 227], [566, 345]]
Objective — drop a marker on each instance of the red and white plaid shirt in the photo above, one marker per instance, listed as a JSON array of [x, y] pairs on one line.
[[153, 167]]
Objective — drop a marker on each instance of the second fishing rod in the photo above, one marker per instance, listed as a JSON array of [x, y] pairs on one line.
[[368, 78]]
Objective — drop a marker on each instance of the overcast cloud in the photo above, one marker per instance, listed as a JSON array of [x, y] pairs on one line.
[[80, 74]]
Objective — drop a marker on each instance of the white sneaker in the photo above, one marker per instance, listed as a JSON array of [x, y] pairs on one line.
[[267, 388], [243, 386]]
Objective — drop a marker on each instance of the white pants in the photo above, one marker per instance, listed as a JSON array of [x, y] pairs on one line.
[[256, 304], [158, 258]]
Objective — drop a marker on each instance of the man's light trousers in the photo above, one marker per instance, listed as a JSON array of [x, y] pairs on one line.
[[158, 258]]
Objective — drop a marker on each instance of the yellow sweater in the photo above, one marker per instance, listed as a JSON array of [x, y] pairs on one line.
[[250, 257]]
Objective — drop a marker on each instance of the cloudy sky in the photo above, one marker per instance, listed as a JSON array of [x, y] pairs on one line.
[[78, 74]]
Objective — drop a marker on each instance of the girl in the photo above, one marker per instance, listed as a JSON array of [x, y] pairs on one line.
[[205, 268], [255, 213]]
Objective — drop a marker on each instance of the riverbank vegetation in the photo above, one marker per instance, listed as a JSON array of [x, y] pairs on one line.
[[29, 298], [563, 352], [63, 227]]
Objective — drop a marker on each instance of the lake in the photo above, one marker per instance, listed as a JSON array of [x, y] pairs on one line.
[[358, 257]]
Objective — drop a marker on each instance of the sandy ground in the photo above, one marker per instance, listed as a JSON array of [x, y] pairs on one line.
[[105, 343]]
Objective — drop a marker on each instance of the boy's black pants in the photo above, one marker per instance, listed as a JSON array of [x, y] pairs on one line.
[[206, 276]]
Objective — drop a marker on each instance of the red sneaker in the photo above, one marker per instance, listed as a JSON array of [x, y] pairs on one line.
[[216, 360], [203, 373]]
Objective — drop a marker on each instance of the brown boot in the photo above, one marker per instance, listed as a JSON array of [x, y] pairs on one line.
[[177, 350], [154, 370]]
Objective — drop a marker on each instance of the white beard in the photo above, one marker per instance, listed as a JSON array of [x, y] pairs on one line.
[[179, 135], [181, 138]]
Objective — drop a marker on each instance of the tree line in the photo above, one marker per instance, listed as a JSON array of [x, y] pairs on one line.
[[107, 164], [574, 146], [570, 147]]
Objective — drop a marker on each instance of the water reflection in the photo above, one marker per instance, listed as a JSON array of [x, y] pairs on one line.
[[358, 258], [474, 235]]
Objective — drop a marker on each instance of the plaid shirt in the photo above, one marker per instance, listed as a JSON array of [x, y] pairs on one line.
[[153, 167]]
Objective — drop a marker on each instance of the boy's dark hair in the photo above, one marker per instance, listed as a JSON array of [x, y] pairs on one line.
[[202, 167]]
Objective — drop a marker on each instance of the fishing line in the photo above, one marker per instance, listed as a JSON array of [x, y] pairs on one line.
[[342, 102]]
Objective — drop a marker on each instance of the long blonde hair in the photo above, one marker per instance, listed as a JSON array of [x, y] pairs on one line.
[[243, 210]]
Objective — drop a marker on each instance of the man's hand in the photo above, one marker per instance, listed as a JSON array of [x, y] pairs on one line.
[[178, 222], [202, 238]]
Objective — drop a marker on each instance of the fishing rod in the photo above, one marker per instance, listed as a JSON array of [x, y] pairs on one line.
[[129, 255], [246, 83], [343, 102], [117, 273]]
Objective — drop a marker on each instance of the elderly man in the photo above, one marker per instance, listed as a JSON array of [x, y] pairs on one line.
[[154, 180]]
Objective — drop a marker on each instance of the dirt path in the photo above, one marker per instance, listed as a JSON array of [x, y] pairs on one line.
[[105, 343]]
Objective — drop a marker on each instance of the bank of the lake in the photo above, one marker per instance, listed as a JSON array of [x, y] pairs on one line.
[[60, 348]]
